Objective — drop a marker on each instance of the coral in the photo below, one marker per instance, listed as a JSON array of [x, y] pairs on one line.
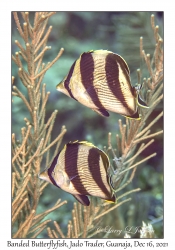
[[28, 152]]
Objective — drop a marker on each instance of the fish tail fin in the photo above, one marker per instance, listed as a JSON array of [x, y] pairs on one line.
[[140, 102]]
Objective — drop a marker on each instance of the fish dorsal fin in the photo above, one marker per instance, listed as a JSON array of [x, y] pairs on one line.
[[82, 142], [83, 199], [101, 51], [87, 143], [51, 168]]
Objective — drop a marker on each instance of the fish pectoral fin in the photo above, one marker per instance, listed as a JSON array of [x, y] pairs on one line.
[[102, 112], [73, 177], [83, 199], [141, 103], [91, 94]]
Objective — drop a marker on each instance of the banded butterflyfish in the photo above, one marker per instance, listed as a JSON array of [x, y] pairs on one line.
[[100, 80], [81, 169]]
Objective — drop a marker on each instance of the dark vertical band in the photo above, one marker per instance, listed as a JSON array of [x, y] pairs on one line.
[[94, 167], [71, 168], [51, 168], [123, 64], [112, 77], [67, 80], [87, 77]]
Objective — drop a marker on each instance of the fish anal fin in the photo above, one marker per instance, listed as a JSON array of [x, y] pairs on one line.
[[83, 199], [112, 199], [141, 103], [134, 116], [102, 112]]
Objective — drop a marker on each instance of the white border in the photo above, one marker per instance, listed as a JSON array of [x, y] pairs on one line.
[[5, 98]]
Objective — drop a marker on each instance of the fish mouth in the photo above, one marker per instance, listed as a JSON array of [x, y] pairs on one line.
[[43, 175], [58, 85]]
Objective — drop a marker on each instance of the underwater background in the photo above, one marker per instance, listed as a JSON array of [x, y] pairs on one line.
[[78, 32]]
